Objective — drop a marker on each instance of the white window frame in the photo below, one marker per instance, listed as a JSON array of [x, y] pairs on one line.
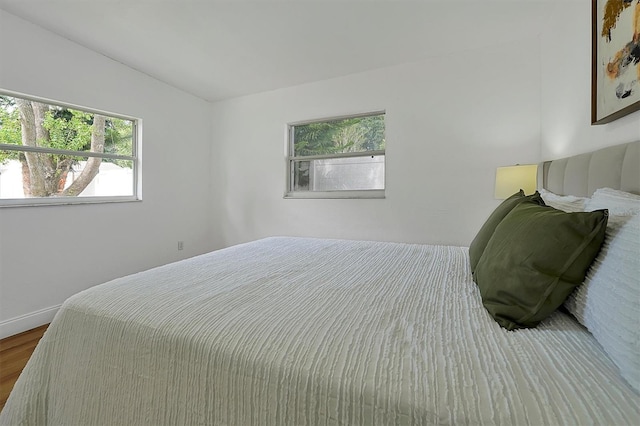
[[291, 159], [52, 201]]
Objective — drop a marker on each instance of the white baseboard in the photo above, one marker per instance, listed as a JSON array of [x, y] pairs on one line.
[[28, 321]]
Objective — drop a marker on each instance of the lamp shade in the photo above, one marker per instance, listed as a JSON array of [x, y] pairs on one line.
[[511, 179]]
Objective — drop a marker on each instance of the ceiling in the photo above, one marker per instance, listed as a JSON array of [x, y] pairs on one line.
[[222, 49]]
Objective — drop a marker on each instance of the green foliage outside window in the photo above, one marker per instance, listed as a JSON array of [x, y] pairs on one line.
[[45, 126], [340, 136]]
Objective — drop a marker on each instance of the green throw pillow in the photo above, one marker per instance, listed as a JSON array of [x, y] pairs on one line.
[[484, 235], [535, 259]]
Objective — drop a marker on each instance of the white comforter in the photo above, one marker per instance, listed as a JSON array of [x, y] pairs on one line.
[[306, 332]]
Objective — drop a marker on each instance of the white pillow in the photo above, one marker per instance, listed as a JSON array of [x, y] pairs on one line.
[[608, 302], [566, 203], [619, 203]]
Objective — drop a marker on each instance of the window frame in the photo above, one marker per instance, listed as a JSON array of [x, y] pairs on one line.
[[136, 135], [290, 193]]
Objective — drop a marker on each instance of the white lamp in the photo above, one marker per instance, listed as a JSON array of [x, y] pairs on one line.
[[511, 179]]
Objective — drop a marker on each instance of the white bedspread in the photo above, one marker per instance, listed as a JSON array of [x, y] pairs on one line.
[[307, 332]]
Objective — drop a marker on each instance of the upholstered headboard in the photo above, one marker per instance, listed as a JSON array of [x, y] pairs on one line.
[[616, 167]]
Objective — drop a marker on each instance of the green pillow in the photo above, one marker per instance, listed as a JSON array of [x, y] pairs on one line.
[[535, 258], [484, 235]]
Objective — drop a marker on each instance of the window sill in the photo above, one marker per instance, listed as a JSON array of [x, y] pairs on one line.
[[374, 193], [65, 201]]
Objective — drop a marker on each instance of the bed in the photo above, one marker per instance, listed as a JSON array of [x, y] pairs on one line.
[[305, 331]]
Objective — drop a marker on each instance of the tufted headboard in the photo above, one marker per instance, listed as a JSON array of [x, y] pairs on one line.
[[616, 167]]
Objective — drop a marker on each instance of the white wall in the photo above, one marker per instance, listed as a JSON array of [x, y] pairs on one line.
[[49, 253], [566, 88], [450, 122]]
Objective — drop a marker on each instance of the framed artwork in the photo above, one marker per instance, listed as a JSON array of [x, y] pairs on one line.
[[615, 74]]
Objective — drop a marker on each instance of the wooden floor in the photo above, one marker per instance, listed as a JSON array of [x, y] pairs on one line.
[[14, 354]]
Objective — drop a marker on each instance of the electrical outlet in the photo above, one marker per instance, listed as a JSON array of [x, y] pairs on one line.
[[180, 245]]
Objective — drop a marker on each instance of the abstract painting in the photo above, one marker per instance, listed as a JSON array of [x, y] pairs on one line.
[[615, 82]]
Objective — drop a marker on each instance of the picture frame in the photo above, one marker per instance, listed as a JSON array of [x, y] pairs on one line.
[[615, 73]]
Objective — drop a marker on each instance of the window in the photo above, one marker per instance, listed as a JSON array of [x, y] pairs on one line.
[[56, 154], [337, 158]]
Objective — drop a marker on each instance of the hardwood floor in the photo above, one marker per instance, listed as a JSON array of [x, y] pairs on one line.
[[15, 351]]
